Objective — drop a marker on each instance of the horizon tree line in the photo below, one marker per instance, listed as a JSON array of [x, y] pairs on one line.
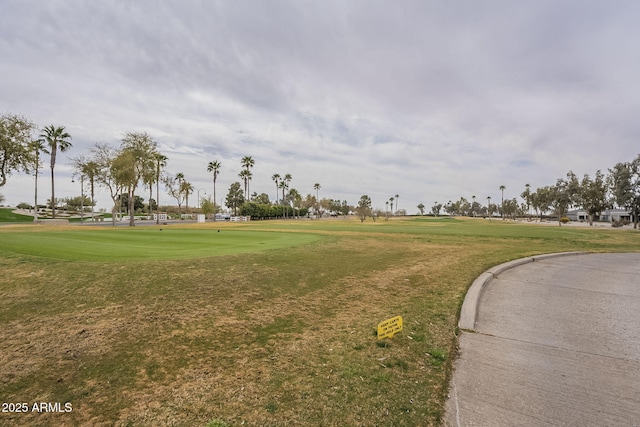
[[138, 163], [134, 164], [621, 188], [20, 152]]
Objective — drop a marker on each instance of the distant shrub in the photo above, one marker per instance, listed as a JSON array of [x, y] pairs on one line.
[[564, 220], [24, 205]]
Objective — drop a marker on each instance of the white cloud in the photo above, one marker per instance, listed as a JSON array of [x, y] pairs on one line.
[[431, 101]]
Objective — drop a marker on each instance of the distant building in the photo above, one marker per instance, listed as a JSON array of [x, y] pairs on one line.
[[611, 215], [578, 215], [608, 215]]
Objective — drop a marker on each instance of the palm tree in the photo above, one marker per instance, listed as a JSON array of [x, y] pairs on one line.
[[397, 202], [247, 163], [151, 174], [489, 207], [188, 189], [57, 139], [391, 200], [245, 175], [276, 177], [316, 187], [473, 205], [296, 198], [181, 181], [386, 210], [284, 184], [37, 146], [526, 195], [502, 188], [91, 169], [214, 167], [161, 161]]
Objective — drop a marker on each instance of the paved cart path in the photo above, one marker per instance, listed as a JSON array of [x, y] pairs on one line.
[[556, 342]]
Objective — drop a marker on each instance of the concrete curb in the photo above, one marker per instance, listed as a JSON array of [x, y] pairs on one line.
[[469, 311]]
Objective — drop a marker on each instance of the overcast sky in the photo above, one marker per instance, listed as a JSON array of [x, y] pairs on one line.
[[430, 100]]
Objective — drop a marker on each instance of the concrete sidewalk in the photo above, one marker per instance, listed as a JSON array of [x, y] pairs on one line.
[[554, 342]]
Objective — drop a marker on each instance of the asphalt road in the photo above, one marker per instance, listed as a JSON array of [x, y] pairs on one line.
[[556, 342]]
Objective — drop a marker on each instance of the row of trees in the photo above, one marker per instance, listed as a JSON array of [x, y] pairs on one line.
[[121, 171], [138, 163], [20, 152], [619, 188], [290, 203]]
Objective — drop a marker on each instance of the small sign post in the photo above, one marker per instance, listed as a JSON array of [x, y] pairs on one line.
[[389, 327]]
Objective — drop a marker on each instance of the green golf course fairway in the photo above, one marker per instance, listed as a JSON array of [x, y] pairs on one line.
[[124, 244], [262, 323]]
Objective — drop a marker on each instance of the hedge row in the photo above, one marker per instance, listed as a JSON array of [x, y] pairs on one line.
[[265, 211]]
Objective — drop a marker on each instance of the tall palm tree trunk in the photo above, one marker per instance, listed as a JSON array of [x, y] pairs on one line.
[[35, 202], [214, 199], [53, 191], [158, 201], [131, 207]]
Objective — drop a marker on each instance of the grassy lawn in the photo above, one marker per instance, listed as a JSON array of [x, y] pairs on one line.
[[145, 243], [7, 215], [263, 323]]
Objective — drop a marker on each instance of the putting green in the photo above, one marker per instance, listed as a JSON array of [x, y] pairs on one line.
[[144, 243]]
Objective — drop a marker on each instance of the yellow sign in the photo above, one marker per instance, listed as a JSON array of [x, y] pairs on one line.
[[389, 327]]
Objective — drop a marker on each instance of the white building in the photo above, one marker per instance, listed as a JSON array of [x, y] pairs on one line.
[[608, 215], [611, 215]]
